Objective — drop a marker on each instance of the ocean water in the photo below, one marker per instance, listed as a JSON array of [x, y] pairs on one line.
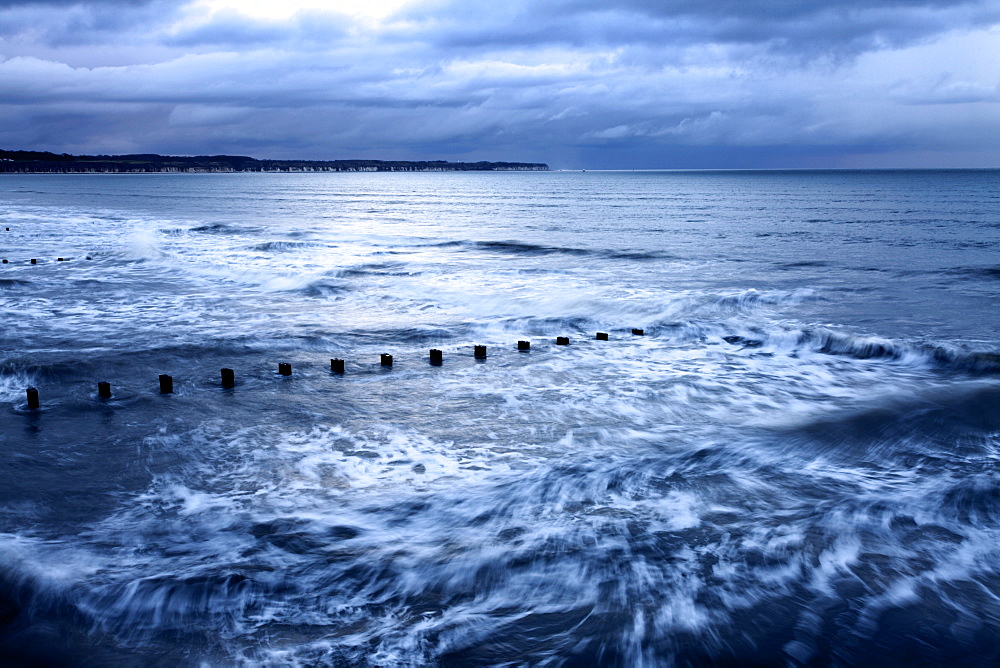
[[798, 462]]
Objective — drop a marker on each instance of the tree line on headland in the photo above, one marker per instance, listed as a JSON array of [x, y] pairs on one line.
[[34, 162]]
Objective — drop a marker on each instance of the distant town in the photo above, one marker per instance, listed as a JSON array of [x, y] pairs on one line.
[[43, 162]]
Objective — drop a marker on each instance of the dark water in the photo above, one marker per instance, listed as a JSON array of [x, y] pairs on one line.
[[796, 464]]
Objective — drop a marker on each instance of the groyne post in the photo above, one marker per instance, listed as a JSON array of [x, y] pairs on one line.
[[284, 368], [437, 357], [479, 352], [32, 394], [386, 359], [104, 390], [228, 378], [337, 365], [166, 384]]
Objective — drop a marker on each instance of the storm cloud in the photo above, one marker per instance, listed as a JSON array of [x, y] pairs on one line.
[[581, 83]]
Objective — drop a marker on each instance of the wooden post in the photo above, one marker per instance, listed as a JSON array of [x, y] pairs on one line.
[[638, 332], [166, 384], [480, 352], [32, 398], [386, 359], [524, 345], [602, 336], [337, 365], [437, 357], [562, 341], [284, 368], [228, 378], [104, 390]]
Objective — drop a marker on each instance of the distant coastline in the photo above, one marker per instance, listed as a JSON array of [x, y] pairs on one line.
[[43, 162]]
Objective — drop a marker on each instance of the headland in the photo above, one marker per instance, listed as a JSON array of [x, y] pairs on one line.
[[44, 162]]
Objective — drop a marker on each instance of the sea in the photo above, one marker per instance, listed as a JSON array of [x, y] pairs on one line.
[[785, 452]]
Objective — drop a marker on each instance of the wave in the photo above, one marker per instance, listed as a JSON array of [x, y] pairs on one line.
[[39, 625], [920, 428], [977, 273], [377, 269], [168, 604], [527, 249], [976, 499], [752, 299], [47, 620], [334, 283], [858, 347], [322, 288], [279, 246], [13, 383], [824, 341], [216, 228], [804, 264], [868, 347], [705, 314], [209, 228], [142, 245], [17, 375], [323, 538]]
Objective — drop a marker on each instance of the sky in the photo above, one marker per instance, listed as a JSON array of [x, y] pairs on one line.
[[577, 84]]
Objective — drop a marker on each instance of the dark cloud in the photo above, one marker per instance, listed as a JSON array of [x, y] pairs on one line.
[[58, 24], [840, 26], [10, 4]]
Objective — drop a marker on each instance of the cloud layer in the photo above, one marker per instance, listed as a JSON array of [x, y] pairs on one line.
[[578, 84]]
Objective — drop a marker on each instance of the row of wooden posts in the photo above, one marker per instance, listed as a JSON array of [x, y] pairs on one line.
[[336, 366], [35, 260]]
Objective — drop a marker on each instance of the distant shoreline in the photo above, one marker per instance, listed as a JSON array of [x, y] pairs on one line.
[[43, 162]]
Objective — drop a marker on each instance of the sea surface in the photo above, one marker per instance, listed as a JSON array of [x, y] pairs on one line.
[[796, 463]]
